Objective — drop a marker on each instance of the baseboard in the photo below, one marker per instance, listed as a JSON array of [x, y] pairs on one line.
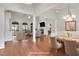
[[8, 40], [2, 47]]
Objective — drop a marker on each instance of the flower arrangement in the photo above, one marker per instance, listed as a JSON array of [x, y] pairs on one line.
[[68, 34]]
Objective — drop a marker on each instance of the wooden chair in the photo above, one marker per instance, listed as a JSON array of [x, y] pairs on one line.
[[56, 45], [70, 48], [20, 35]]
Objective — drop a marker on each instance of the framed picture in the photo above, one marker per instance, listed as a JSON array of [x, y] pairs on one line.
[[70, 25]]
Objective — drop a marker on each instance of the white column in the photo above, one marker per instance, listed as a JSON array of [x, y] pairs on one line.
[[2, 28], [34, 26], [56, 26]]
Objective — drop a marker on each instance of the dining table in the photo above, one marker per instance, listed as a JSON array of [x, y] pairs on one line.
[[61, 38]]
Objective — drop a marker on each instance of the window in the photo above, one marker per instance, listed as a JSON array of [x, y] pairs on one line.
[[15, 26], [24, 26]]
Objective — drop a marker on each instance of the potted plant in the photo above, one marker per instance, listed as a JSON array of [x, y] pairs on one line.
[[68, 34]]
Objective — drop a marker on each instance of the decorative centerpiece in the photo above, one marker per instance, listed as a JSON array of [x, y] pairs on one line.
[[69, 34]]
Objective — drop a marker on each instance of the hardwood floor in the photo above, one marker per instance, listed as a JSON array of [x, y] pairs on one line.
[[42, 47]]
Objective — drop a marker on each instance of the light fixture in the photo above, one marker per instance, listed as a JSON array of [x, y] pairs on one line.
[[73, 16], [69, 16], [29, 17], [64, 17]]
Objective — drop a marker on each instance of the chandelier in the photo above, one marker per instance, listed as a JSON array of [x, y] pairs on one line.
[[69, 16]]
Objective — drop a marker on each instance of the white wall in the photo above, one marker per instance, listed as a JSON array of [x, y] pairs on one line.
[[47, 21], [8, 33]]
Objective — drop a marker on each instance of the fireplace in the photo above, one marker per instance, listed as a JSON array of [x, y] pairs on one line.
[[42, 31]]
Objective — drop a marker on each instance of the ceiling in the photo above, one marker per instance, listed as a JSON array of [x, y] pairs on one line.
[[46, 9], [55, 9]]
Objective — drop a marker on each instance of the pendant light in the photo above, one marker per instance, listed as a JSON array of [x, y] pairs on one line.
[[69, 16]]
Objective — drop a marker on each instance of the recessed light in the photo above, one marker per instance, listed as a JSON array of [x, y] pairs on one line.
[[29, 17]]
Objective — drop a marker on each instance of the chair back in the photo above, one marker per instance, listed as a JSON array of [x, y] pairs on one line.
[[53, 42], [70, 47], [20, 35]]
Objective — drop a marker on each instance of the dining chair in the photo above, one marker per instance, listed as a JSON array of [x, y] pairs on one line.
[[20, 35], [70, 48], [55, 44]]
